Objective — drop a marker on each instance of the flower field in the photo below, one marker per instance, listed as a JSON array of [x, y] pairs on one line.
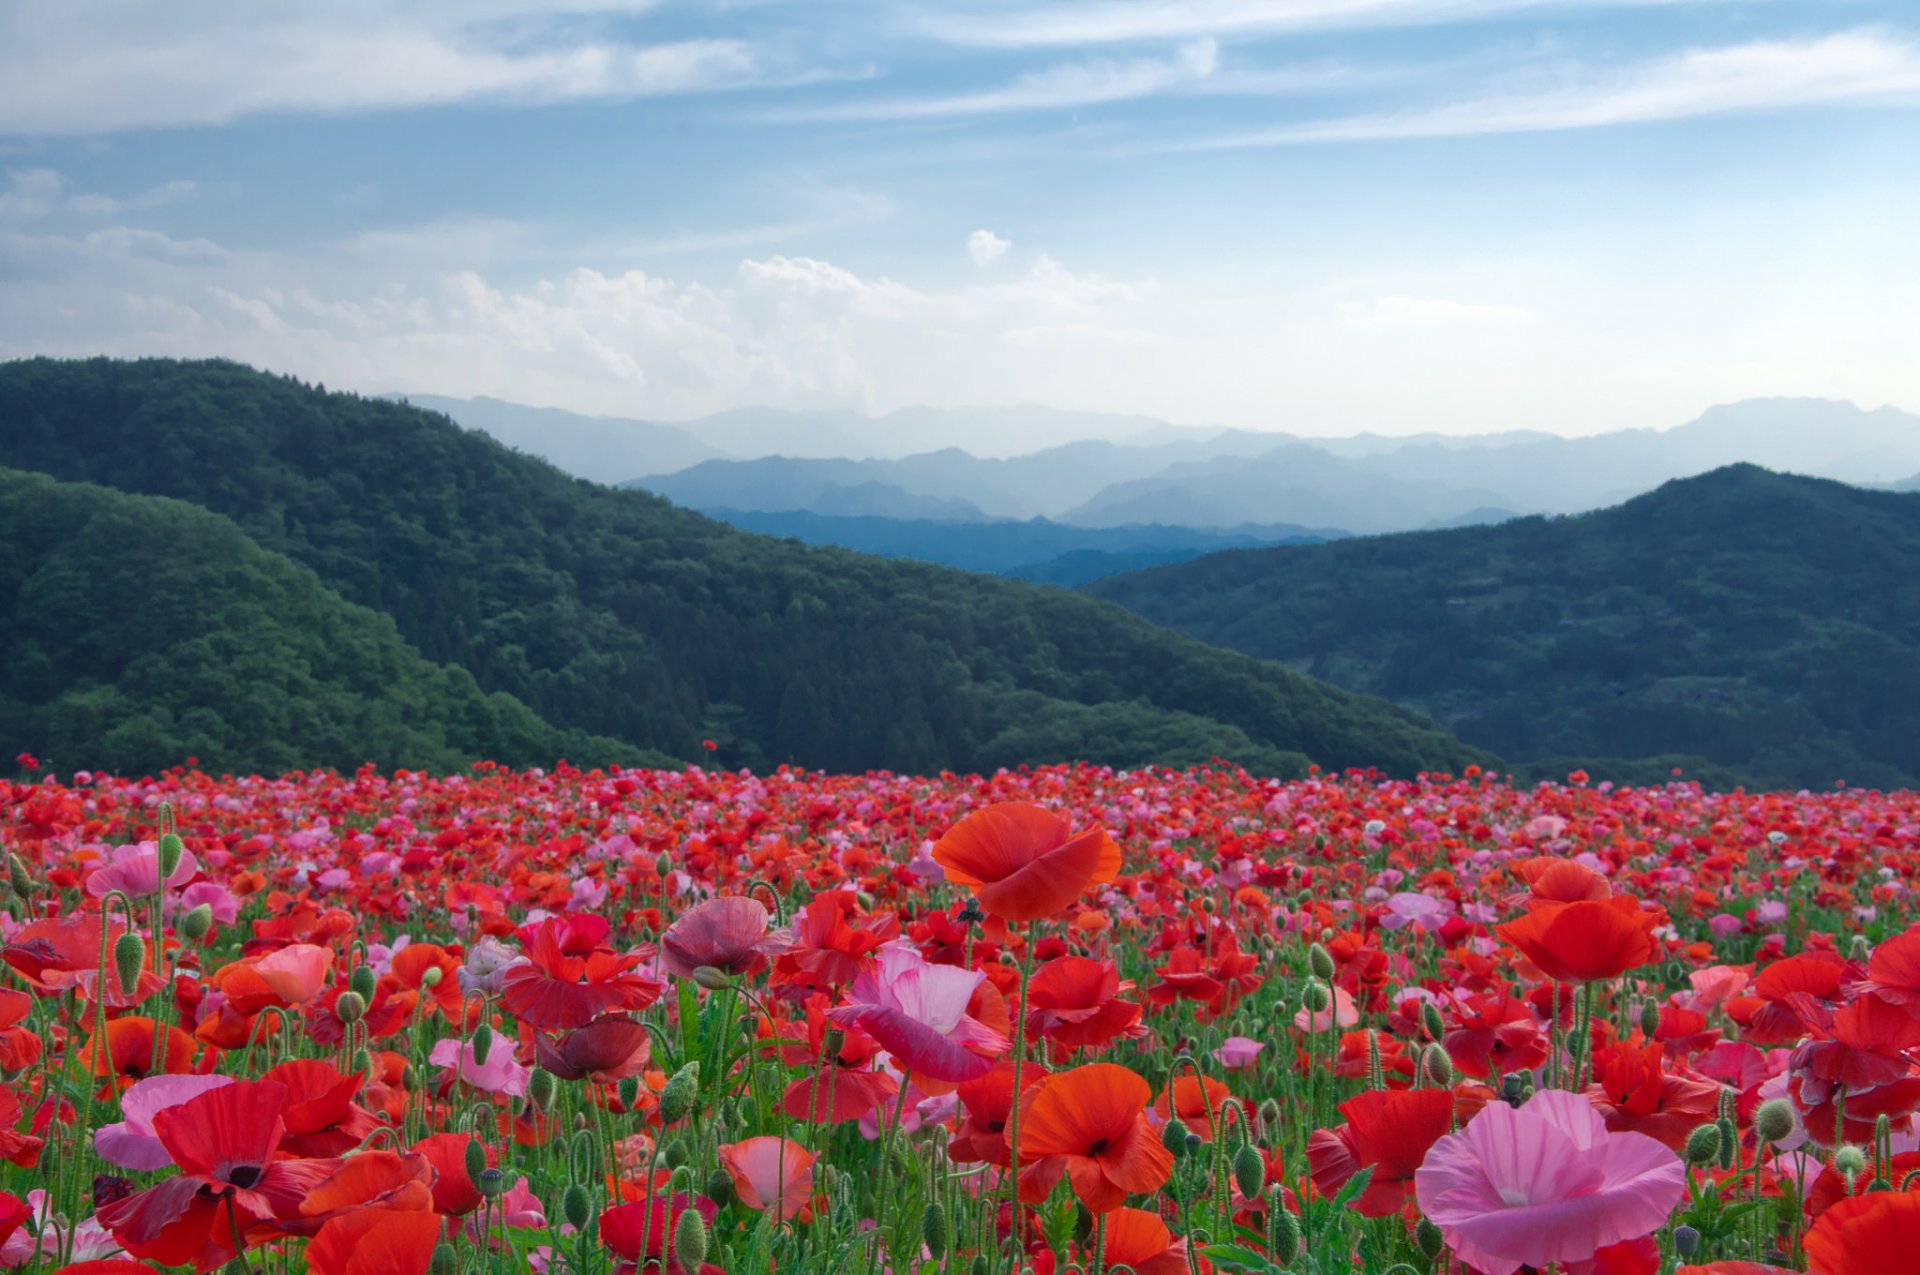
[[1066, 1019]]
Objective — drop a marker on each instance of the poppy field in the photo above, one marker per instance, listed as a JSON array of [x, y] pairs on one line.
[[1065, 1019]]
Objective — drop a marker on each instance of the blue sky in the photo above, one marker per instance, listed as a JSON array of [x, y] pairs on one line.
[[1317, 215]]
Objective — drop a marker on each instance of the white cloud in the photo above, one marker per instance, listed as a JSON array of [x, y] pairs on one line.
[[87, 66], [29, 192], [1052, 88], [1422, 312], [1862, 66], [985, 247]]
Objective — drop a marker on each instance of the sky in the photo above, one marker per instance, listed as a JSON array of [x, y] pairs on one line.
[[1321, 216]]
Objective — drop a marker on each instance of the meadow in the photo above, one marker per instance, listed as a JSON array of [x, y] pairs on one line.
[[1057, 1019]]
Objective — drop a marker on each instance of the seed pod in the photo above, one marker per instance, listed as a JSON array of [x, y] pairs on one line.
[[1650, 1018], [1431, 1019], [629, 1091], [194, 923], [129, 958], [543, 1087], [1773, 1121], [1249, 1170], [576, 1206], [1437, 1065], [1703, 1144], [350, 1007], [1173, 1136], [445, 1260], [482, 1044], [492, 1183], [431, 976], [364, 981], [690, 1240], [933, 1230], [675, 1153], [720, 1188], [17, 875], [678, 1096], [476, 1160], [1686, 1240], [169, 851], [1429, 1239], [714, 980], [1283, 1231], [1320, 962]]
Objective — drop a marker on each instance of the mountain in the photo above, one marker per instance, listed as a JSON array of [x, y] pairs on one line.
[[602, 448], [1766, 622], [143, 631], [1906, 484], [780, 484], [617, 613], [982, 431], [1038, 550]]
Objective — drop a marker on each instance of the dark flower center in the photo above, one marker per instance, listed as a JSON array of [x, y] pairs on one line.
[[1099, 1145], [245, 1176]]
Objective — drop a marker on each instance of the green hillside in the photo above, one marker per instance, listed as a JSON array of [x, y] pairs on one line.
[[1766, 622], [614, 612], [142, 631]]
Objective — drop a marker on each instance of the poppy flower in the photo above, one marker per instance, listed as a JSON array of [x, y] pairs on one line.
[[442, 992], [1196, 1100], [1873, 1232], [610, 1048], [454, 1193], [1635, 1092], [640, 1231], [1544, 1183], [728, 934], [375, 1242], [130, 1050], [844, 1085], [1140, 1240], [1091, 1124], [1493, 1035], [1073, 1001], [1023, 862], [827, 946], [63, 954], [987, 1104], [135, 872], [770, 1173], [1388, 1131], [919, 1014], [557, 989], [131, 1143], [321, 1116], [1584, 942]]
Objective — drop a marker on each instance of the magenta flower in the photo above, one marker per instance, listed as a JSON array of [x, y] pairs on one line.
[[918, 1013], [1238, 1053], [132, 1143], [135, 872], [1545, 1183], [728, 933], [498, 1074]]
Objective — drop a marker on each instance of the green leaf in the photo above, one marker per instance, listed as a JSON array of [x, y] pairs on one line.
[[1354, 1187], [1234, 1257]]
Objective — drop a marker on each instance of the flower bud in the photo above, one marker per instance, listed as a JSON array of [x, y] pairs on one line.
[[1431, 1019], [629, 1091], [1429, 1239], [675, 1153], [364, 981], [410, 1078], [169, 852], [431, 976], [1315, 997], [350, 1007], [543, 1087], [682, 1089], [1860, 951], [1703, 1145], [1773, 1121], [1283, 1231], [1729, 1142], [1650, 1018], [720, 1188], [446, 1261], [476, 1160], [1249, 1170], [933, 1230], [129, 958], [194, 923], [714, 980], [663, 865], [690, 1240], [362, 1060], [576, 1206], [482, 1044], [17, 875], [1850, 1161], [1320, 962], [1173, 1136], [1686, 1240], [1437, 1065]]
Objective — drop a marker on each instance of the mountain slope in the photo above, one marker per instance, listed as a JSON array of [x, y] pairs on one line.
[[602, 448], [614, 612], [142, 631], [1769, 623]]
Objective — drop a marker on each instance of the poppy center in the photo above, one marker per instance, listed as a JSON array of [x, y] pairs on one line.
[[1099, 1145], [245, 1176]]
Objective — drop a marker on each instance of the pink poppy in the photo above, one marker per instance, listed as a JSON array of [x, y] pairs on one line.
[[135, 872], [1545, 1183], [918, 1013], [770, 1172], [1341, 1012], [499, 1074], [1238, 1053], [132, 1143], [728, 933], [296, 973]]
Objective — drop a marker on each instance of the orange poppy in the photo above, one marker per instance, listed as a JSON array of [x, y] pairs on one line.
[[375, 1242], [1023, 862], [1586, 941], [130, 1053], [1091, 1125], [1196, 1100], [1872, 1232], [1140, 1240]]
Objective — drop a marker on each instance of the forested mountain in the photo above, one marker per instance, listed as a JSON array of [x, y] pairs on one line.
[[1039, 550], [143, 631], [614, 612], [1767, 622]]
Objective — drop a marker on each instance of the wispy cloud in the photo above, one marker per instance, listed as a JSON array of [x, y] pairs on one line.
[[1865, 66], [1052, 88], [1426, 312], [1124, 20]]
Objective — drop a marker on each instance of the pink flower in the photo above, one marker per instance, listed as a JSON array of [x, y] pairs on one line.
[[1238, 1053], [770, 1172], [728, 933], [1341, 1012], [1545, 1183], [918, 1013], [132, 1143], [1714, 985], [226, 907], [499, 1074], [135, 872]]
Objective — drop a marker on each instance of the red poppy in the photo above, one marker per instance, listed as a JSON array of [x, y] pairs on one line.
[[1197, 1100], [63, 954], [409, 970], [1872, 1232], [1073, 1002], [556, 990], [454, 1193], [1494, 1034], [829, 947], [981, 1137], [1090, 1124], [130, 1050], [1388, 1131], [390, 1180], [1584, 942], [375, 1242], [1635, 1093], [611, 1047], [322, 1118], [1140, 1240], [1023, 862]]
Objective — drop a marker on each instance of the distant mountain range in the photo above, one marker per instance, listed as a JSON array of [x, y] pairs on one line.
[[1766, 622]]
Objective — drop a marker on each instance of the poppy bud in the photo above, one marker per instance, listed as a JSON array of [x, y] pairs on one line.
[[1283, 1231], [1401, 1268], [865, 899], [1773, 1121], [1173, 1136], [677, 1098], [1851, 1161], [576, 1206], [1270, 1117], [363, 981], [1703, 1144], [445, 1260], [933, 1230], [1686, 1240], [690, 1240], [1437, 1064], [17, 875], [169, 852], [714, 980], [543, 1087], [1676, 972], [1320, 962], [1428, 1239], [1315, 997], [1650, 1018], [431, 976], [194, 923], [1861, 951], [476, 1160], [351, 1007], [1729, 1142], [482, 1044], [409, 1078], [675, 1153], [362, 1060], [629, 1091], [720, 1188], [980, 1266], [1249, 1170], [663, 865], [129, 957], [1431, 1020], [492, 1183]]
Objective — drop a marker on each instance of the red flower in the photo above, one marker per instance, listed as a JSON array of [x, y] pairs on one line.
[[729, 934], [1140, 1240], [1584, 942], [1873, 1232], [1022, 862], [322, 1118], [1636, 1094], [1090, 1124], [1072, 1001], [556, 990], [1388, 1131], [375, 1242], [607, 1049]]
